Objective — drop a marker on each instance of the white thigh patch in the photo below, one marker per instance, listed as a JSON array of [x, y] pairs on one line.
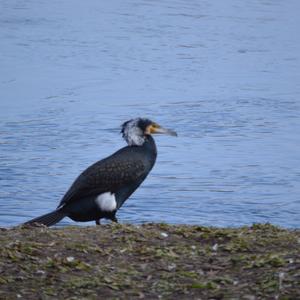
[[106, 202]]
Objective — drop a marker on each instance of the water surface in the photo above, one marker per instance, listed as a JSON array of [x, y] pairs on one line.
[[225, 76]]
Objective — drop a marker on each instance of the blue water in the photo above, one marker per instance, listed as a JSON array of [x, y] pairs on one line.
[[223, 74]]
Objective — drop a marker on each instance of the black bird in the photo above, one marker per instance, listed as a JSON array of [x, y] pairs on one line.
[[102, 188]]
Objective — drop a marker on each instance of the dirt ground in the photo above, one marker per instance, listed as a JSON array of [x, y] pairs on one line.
[[151, 261]]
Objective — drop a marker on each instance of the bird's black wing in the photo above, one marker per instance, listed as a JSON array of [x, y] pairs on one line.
[[107, 175]]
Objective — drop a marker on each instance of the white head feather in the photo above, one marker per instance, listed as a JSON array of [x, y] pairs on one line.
[[132, 133]]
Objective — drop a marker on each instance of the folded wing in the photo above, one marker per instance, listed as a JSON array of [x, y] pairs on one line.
[[108, 175]]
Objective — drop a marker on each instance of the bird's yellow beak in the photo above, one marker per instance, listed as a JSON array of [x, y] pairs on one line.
[[156, 129]]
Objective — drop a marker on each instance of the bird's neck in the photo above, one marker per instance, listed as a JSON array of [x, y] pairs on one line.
[[150, 148], [147, 145], [150, 143]]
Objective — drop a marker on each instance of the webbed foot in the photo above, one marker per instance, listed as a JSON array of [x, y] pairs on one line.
[[114, 219]]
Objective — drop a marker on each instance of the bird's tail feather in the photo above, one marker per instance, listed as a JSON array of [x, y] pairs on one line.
[[48, 219]]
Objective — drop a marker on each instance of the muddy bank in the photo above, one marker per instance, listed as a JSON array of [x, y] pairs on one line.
[[150, 261]]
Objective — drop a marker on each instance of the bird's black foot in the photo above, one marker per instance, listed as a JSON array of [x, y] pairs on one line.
[[114, 219], [98, 222]]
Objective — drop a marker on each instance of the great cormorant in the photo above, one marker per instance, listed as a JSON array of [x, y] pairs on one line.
[[102, 188]]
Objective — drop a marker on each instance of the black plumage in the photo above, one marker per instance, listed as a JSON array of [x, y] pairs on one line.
[[102, 188]]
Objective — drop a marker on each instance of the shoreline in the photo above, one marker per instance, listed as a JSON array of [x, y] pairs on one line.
[[150, 261]]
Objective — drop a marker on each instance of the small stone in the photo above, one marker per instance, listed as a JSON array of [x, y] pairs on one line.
[[215, 247], [281, 276], [164, 234], [171, 267], [70, 258]]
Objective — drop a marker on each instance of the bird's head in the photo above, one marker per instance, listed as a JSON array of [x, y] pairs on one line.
[[136, 130]]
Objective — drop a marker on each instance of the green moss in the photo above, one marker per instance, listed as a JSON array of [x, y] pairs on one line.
[[272, 260], [204, 285], [239, 244]]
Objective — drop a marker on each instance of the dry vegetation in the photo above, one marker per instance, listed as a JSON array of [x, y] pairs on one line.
[[150, 261]]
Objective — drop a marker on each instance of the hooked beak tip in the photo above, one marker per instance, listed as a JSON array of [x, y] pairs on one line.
[[173, 133]]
